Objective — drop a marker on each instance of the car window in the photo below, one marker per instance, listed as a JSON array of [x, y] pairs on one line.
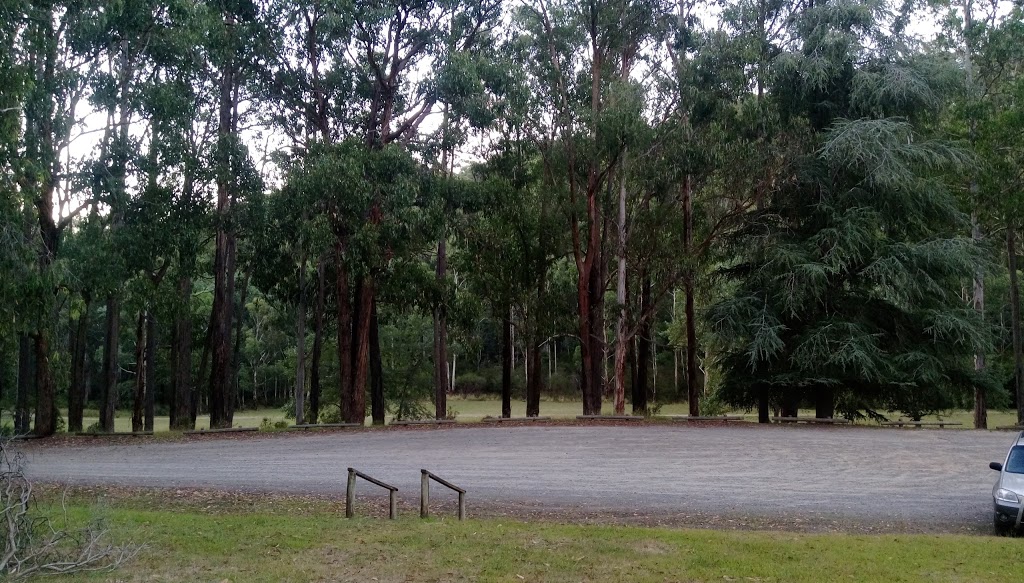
[[1015, 462]]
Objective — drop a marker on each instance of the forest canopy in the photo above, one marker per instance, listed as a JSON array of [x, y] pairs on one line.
[[352, 209]]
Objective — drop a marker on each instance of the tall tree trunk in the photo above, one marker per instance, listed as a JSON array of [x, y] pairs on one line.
[[762, 405], [790, 405], [622, 333], [46, 391], [150, 357], [361, 340], [591, 302], [345, 376], [1015, 325], [77, 389], [111, 350], [221, 382], [978, 301], [533, 385], [441, 337], [181, 359], [692, 386], [318, 345], [692, 390], [506, 364], [204, 365], [236, 354], [641, 389], [376, 371], [26, 381], [825, 403], [138, 403], [973, 98], [300, 347]]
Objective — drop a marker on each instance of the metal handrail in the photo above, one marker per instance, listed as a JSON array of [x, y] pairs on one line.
[[350, 494], [425, 477]]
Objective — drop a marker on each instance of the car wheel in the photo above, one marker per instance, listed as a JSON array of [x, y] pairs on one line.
[[1001, 528]]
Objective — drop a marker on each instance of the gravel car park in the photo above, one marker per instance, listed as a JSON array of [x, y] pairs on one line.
[[1008, 491]]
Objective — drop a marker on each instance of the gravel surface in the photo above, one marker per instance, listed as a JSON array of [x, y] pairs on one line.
[[845, 478]]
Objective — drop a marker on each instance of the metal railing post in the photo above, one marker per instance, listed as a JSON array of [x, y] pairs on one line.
[[462, 506], [393, 504]]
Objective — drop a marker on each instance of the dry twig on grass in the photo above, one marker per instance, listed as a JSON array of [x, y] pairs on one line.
[[34, 545]]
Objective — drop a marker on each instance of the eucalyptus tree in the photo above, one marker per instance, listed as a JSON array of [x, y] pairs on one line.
[[59, 73], [967, 26], [577, 53], [14, 254], [393, 52], [508, 243], [998, 122], [235, 35], [847, 279], [470, 87], [312, 91]]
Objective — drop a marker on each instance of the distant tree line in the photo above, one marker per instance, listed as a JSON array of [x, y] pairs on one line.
[[355, 208]]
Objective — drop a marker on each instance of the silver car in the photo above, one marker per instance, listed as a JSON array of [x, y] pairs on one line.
[[1008, 493]]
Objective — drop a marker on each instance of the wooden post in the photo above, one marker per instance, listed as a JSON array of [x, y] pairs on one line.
[[462, 506], [350, 494], [424, 494], [393, 500]]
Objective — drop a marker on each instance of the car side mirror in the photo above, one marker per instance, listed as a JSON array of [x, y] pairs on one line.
[[996, 466]]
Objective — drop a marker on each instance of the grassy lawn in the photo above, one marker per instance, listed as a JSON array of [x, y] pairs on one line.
[[313, 542], [475, 409], [247, 418]]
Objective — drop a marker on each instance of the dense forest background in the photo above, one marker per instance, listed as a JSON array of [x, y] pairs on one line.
[[352, 208]]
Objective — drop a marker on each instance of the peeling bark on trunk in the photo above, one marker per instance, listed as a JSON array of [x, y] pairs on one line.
[[1015, 325], [111, 351], [506, 365], [622, 333]]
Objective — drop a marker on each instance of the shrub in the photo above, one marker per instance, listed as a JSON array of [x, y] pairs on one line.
[[330, 414], [471, 383]]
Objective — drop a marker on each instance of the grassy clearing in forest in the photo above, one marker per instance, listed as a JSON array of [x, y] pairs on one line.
[[474, 409], [313, 542]]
